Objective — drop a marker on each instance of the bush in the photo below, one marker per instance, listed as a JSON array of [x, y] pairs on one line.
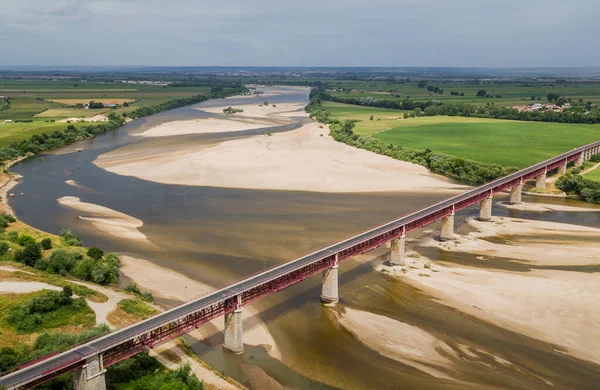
[[24, 239], [46, 243], [61, 261], [134, 289], [95, 253], [70, 238], [13, 236], [6, 219], [595, 158], [29, 255], [586, 190], [3, 247]]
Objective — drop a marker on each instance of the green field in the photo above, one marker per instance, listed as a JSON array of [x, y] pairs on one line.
[[11, 132], [33, 99], [593, 175], [503, 93], [509, 143]]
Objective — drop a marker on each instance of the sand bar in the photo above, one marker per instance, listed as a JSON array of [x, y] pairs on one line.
[[105, 219]]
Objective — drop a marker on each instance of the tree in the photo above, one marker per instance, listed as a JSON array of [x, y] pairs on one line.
[[481, 93], [552, 96], [532, 97], [46, 243], [29, 255], [95, 253], [371, 118], [61, 261], [3, 247], [24, 239]]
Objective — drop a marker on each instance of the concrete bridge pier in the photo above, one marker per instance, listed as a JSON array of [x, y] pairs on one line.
[[397, 249], [234, 339], [329, 293], [91, 375], [515, 194], [562, 169], [447, 232], [485, 211], [579, 161], [540, 181]]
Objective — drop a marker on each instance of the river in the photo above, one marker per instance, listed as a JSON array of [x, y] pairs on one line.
[[218, 235]]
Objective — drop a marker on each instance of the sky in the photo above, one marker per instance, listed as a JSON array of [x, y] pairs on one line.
[[397, 33]]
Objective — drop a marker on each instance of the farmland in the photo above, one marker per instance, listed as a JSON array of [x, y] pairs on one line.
[[497, 92], [593, 175], [508, 143], [46, 100]]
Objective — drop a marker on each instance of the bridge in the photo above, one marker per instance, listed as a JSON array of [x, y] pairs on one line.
[[88, 361]]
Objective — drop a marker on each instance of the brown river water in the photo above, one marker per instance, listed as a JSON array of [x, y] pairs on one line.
[[219, 235]]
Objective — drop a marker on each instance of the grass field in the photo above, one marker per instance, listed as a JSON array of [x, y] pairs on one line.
[[11, 132], [510, 93], [46, 99], [593, 175], [509, 143]]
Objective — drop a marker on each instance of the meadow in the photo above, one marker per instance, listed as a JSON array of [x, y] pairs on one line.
[[43, 100], [593, 175], [508, 143], [500, 92], [12, 132]]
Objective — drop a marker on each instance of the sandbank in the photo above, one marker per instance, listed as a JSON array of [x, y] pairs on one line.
[[208, 125], [399, 341], [305, 159], [105, 219], [555, 306]]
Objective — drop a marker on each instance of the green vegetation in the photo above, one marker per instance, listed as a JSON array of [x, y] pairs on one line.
[[461, 169], [134, 289], [143, 372], [231, 110], [45, 344], [70, 238], [593, 175], [136, 308], [48, 310], [584, 189], [487, 140], [28, 114]]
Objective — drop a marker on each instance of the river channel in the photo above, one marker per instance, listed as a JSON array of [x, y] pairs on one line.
[[219, 235]]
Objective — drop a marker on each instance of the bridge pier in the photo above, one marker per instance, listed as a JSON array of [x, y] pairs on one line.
[[234, 340], [515, 194], [485, 211], [397, 249], [447, 232], [579, 161], [91, 375], [562, 169], [540, 181], [329, 293]]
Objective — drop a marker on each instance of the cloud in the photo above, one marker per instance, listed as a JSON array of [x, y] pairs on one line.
[[310, 32]]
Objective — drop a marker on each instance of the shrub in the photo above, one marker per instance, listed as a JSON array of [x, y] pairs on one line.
[[61, 261], [29, 255], [134, 289], [24, 239], [13, 236], [46, 243], [42, 264], [95, 253], [3, 247], [70, 238]]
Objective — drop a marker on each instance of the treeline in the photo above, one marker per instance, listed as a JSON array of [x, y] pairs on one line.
[[584, 189], [217, 92], [469, 171], [41, 142], [433, 108]]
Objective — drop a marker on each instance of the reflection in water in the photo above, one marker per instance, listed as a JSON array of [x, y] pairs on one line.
[[218, 235]]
